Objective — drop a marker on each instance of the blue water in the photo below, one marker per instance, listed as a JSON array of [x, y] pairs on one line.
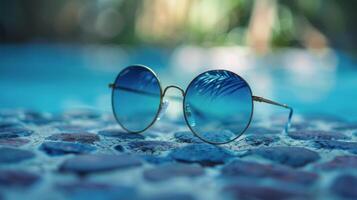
[[59, 77]]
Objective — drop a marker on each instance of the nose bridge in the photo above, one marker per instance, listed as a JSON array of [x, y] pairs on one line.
[[176, 87]]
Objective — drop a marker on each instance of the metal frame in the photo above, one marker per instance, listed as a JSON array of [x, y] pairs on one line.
[[184, 92]]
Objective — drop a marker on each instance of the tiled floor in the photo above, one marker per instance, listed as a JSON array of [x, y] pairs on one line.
[[87, 156]]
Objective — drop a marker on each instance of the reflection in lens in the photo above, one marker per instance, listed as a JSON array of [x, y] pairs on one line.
[[136, 98], [218, 106]]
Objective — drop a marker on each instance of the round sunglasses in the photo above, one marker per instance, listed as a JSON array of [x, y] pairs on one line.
[[217, 104]]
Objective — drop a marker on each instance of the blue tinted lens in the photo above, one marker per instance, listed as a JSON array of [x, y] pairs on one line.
[[136, 98], [218, 106]]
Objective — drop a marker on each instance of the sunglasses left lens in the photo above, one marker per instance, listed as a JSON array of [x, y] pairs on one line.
[[136, 98]]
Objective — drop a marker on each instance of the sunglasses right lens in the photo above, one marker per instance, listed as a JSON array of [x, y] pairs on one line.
[[218, 106], [136, 98]]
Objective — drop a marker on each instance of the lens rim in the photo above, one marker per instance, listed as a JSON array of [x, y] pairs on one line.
[[161, 97], [198, 135]]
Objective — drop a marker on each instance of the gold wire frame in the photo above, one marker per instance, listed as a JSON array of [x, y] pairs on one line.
[[163, 92]]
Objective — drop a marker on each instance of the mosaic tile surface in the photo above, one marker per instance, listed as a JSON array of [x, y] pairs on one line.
[[86, 155]]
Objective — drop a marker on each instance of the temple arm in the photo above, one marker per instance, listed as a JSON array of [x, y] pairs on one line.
[[261, 99]]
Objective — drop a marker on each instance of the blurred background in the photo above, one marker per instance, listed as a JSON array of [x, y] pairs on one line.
[[61, 55]]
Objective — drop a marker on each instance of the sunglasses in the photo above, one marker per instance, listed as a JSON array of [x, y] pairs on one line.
[[217, 104]]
